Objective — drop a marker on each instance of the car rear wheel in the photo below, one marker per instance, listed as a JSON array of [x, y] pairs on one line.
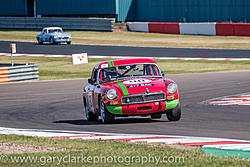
[[155, 116], [68, 43], [89, 115], [106, 116], [40, 41], [175, 113]]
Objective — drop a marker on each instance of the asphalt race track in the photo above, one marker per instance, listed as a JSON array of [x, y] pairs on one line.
[[98, 50], [57, 105]]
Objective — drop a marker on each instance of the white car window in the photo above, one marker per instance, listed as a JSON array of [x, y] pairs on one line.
[[55, 30]]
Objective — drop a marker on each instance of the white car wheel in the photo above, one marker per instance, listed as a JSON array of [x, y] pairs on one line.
[[106, 117], [51, 41], [102, 112]]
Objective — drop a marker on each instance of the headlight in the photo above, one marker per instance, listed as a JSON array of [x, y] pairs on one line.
[[172, 88], [111, 94]]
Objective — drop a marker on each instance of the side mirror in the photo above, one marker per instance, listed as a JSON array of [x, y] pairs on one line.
[[90, 81], [162, 74]]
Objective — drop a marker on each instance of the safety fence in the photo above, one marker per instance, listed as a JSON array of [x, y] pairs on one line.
[[220, 29], [95, 24], [20, 72]]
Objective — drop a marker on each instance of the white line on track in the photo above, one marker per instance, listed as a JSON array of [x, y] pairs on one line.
[[127, 57], [167, 139], [238, 99]]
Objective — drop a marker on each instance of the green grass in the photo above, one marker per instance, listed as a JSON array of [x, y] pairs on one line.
[[94, 149], [62, 68], [139, 39]]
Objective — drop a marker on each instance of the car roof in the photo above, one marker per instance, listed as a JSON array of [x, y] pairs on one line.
[[51, 28], [112, 63]]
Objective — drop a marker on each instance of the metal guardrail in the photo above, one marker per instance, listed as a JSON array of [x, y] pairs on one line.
[[95, 24], [20, 72]]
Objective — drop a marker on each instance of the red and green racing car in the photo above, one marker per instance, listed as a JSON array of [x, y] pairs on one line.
[[130, 87]]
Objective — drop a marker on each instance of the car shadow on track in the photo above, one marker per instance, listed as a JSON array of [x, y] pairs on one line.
[[117, 121]]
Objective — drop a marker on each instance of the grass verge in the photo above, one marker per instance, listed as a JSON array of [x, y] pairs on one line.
[[109, 153], [139, 39], [62, 68]]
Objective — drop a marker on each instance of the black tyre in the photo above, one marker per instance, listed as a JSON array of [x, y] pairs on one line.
[[174, 114], [68, 43], [155, 116], [106, 116], [39, 41], [89, 115]]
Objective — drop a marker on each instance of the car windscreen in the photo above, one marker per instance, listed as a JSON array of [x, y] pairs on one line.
[[55, 31], [132, 70]]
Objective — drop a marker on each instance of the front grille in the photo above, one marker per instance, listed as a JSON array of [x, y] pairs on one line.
[[143, 98], [60, 38]]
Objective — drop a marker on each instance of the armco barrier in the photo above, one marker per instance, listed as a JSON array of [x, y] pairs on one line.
[[223, 29], [138, 26], [198, 28], [20, 72], [241, 29], [168, 28], [233, 29], [96, 24]]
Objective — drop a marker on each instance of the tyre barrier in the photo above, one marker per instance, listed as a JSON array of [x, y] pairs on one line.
[[93, 24], [18, 72], [219, 29]]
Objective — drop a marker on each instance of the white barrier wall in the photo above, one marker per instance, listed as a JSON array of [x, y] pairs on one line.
[[198, 28], [138, 26]]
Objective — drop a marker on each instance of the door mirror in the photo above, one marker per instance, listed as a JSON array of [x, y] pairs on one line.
[[90, 81], [162, 74]]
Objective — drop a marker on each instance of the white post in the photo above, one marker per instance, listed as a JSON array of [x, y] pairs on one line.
[[12, 50]]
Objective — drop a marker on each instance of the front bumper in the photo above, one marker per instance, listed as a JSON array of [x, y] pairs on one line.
[[143, 109], [62, 40]]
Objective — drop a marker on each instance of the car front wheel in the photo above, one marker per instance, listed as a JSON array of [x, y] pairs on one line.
[[106, 116], [51, 41], [40, 41], [174, 114]]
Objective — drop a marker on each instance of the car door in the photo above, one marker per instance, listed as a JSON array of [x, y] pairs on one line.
[[91, 91], [44, 35]]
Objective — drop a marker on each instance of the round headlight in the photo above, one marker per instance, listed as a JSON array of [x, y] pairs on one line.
[[111, 94], [172, 88]]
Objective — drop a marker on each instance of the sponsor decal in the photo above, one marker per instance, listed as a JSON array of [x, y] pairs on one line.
[[139, 85], [104, 65], [137, 81], [128, 67]]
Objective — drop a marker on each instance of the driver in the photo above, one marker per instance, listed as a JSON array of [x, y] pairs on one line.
[[109, 73]]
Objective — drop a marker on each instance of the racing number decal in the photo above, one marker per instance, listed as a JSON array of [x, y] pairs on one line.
[[90, 91]]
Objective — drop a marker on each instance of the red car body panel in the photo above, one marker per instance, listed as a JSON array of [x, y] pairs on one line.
[[129, 86]]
